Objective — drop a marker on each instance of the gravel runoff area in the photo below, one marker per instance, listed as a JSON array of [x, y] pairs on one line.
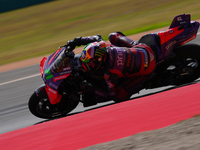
[[184, 135]]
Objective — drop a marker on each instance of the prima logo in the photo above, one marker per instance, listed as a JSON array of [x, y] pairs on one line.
[[170, 45], [119, 58]]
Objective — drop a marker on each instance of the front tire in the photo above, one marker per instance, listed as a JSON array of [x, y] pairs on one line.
[[42, 108]]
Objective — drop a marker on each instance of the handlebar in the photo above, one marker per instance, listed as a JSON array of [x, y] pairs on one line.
[[68, 52]]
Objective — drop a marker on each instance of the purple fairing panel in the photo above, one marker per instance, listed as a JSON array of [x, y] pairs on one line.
[[189, 33], [56, 68], [180, 19], [181, 31], [52, 77]]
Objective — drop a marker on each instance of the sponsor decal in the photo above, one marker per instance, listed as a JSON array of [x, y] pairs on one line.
[[170, 45], [53, 85], [119, 58], [189, 39], [51, 90], [66, 72], [139, 79], [60, 77], [99, 53], [47, 71], [129, 58], [49, 77], [68, 68], [48, 74], [53, 95]]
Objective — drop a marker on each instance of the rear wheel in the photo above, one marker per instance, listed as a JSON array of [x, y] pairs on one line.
[[182, 68], [42, 108], [185, 66]]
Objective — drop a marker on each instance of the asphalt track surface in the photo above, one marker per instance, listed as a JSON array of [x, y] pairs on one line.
[[108, 123], [16, 86]]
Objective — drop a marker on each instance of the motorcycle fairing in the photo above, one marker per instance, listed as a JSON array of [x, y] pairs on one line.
[[190, 39], [181, 31], [53, 76], [178, 20], [42, 62], [54, 56], [53, 95]]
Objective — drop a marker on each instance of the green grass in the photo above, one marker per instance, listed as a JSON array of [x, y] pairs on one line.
[[39, 30]]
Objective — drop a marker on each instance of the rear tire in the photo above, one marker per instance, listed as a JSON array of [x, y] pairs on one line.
[[189, 56]]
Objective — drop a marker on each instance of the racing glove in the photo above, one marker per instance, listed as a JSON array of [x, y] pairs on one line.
[[71, 44], [78, 41]]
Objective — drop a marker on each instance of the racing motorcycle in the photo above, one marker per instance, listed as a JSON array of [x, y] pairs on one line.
[[61, 92]]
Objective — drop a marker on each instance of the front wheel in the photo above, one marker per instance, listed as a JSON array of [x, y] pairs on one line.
[[42, 108]]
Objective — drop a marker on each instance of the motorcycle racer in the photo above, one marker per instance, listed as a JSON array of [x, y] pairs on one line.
[[123, 59], [116, 69]]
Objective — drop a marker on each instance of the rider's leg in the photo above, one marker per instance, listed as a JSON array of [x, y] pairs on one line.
[[134, 82], [131, 86], [119, 39]]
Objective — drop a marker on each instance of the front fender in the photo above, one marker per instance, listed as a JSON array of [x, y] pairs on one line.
[[41, 92], [45, 91]]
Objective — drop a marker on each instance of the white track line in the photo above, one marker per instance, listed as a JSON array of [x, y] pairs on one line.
[[31, 76]]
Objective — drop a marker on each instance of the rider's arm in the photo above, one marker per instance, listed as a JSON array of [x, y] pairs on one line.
[[78, 41]]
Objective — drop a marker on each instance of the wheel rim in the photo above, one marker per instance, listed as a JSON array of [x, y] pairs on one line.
[[184, 69], [46, 109]]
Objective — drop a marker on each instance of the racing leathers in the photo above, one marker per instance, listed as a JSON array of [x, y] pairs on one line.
[[123, 59]]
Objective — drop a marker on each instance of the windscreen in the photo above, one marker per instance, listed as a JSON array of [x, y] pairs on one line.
[[61, 63]]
